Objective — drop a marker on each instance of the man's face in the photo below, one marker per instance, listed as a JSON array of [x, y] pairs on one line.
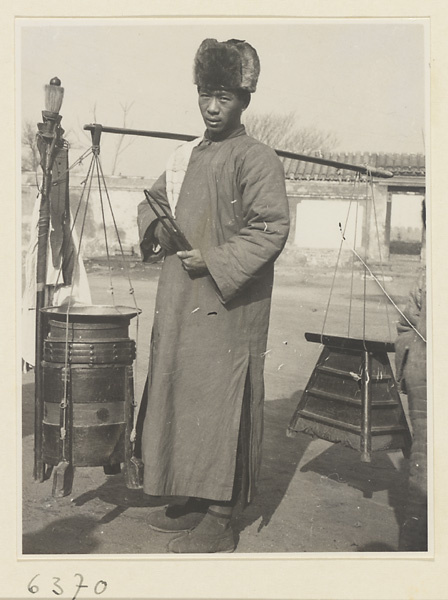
[[221, 111]]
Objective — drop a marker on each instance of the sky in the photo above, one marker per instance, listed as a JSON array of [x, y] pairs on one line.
[[364, 80]]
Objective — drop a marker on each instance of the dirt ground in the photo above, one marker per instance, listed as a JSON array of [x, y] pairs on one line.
[[314, 496]]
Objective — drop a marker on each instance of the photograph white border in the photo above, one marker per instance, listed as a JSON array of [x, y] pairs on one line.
[[237, 576]]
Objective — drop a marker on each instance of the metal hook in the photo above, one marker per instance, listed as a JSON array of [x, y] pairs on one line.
[[96, 137]]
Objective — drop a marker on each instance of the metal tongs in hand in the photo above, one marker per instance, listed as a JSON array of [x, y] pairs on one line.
[[169, 224]]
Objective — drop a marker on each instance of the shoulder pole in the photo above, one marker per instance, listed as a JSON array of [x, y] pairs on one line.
[[363, 169]]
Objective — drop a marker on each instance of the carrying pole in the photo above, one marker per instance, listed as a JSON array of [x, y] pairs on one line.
[[49, 134], [363, 169]]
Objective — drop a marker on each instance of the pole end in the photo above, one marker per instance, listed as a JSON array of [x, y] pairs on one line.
[[54, 94]]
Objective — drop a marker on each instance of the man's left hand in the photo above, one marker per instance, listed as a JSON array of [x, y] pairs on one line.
[[193, 262]]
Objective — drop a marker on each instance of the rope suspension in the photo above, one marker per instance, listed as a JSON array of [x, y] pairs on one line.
[[387, 295], [343, 231], [369, 192], [95, 168], [379, 250], [94, 171], [352, 278]]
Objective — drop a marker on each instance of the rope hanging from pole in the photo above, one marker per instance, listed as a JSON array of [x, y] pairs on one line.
[[95, 169], [343, 233], [367, 270]]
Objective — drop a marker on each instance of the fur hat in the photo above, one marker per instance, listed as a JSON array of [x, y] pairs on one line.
[[233, 64]]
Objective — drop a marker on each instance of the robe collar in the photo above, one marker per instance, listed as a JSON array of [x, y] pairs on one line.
[[241, 130]]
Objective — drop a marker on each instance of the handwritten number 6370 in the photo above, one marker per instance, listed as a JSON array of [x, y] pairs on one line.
[[57, 589]]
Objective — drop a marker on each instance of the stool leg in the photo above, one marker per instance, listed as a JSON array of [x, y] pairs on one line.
[[114, 469], [366, 424]]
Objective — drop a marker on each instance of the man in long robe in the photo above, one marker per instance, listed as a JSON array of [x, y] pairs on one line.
[[203, 426]]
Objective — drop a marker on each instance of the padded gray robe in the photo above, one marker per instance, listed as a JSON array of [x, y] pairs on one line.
[[210, 332]]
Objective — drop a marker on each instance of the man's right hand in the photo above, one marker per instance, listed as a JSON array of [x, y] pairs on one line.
[[164, 239]]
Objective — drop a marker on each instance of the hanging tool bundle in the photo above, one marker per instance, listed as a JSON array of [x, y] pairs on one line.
[[49, 140], [85, 412]]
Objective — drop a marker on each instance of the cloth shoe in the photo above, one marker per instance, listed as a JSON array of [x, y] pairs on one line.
[[213, 534], [194, 543], [177, 517]]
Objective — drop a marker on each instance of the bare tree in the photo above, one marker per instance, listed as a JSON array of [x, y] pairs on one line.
[[30, 153], [120, 147], [282, 132]]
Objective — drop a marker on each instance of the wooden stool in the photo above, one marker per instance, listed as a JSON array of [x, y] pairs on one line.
[[352, 397]]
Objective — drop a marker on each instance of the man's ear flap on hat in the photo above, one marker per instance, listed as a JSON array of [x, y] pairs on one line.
[[245, 97]]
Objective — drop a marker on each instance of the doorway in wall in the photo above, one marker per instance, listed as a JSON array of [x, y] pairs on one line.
[[406, 228]]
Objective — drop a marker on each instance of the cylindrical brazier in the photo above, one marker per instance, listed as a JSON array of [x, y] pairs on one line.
[[88, 385]]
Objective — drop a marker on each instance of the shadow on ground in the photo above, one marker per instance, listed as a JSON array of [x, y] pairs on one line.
[[343, 466], [281, 457], [381, 482], [114, 491], [73, 535], [304, 484]]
